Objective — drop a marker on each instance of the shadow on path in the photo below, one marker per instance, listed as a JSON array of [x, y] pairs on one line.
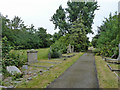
[[82, 74]]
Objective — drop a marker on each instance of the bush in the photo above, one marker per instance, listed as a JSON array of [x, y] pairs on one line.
[[56, 50], [55, 53], [96, 51], [60, 46]]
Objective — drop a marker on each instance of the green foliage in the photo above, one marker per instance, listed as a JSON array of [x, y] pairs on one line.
[[56, 36], [59, 19], [63, 18], [58, 47], [22, 37], [16, 76], [107, 39], [77, 37], [5, 47], [74, 23], [15, 35]]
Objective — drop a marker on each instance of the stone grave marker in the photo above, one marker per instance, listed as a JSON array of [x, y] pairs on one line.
[[13, 70], [32, 56], [69, 50], [72, 48], [1, 77], [24, 69]]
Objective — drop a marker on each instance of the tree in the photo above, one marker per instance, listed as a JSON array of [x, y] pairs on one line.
[[44, 37], [78, 35], [59, 19], [16, 23], [107, 39], [63, 18]]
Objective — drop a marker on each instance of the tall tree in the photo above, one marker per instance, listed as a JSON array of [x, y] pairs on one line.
[[107, 39], [59, 19], [63, 18], [78, 37]]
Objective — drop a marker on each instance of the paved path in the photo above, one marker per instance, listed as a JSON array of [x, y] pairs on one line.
[[82, 74]]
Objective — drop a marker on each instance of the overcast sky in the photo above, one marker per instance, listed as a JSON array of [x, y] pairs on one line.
[[39, 12]]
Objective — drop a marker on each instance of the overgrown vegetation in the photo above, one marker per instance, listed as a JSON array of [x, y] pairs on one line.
[[20, 36], [108, 37], [74, 23], [15, 36]]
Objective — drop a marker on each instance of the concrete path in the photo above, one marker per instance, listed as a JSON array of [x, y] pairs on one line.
[[82, 74]]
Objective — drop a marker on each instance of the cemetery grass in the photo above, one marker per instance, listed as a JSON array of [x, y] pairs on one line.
[[42, 81], [107, 78], [42, 53]]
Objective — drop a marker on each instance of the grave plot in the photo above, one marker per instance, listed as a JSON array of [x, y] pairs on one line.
[[42, 80], [113, 67], [52, 61], [68, 55], [34, 68], [114, 64]]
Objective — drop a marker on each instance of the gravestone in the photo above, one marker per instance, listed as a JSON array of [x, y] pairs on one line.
[[13, 70], [49, 56], [25, 67], [1, 77], [69, 50], [72, 48], [32, 56]]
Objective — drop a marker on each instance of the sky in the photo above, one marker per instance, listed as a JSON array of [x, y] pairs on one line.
[[39, 12]]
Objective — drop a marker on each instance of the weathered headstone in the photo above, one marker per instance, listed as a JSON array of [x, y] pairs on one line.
[[13, 70], [1, 77], [30, 78], [25, 67], [69, 49], [72, 48], [32, 56]]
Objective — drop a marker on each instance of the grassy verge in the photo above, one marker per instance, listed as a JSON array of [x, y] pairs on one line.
[[42, 53], [114, 66], [42, 81], [107, 79]]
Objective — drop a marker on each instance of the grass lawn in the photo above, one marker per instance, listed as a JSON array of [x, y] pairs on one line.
[[107, 78], [43, 64], [114, 66], [42, 53], [42, 81]]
